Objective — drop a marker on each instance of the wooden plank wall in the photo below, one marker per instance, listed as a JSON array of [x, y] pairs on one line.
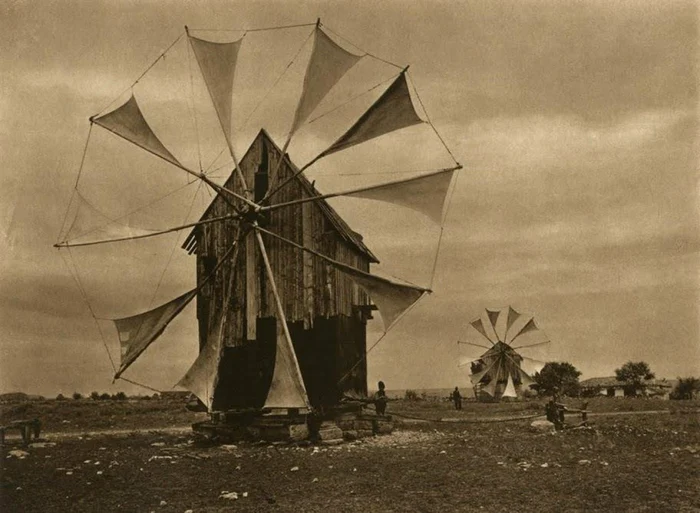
[[309, 288]]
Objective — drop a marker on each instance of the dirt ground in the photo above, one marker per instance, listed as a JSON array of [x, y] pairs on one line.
[[483, 460]]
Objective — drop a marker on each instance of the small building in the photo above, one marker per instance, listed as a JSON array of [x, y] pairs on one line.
[[611, 387]]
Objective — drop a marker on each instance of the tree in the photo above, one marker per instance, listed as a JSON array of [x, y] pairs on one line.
[[77, 395], [561, 375], [634, 374], [60, 397], [686, 388], [94, 396], [105, 397]]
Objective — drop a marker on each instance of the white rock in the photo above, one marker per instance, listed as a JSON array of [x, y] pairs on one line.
[[163, 503], [158, 444], [584, 462], [229, 495], [17, 453], [294, 469]]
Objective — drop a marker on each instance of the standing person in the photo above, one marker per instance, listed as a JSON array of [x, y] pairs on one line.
[[380, 399], [457, 398]]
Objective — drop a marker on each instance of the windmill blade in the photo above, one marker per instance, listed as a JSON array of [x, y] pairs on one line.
[[510, 388], [472, 344], [425, 193], [533, 345], [529, 326], [327, 65], [127, 121], [203, 375], [493, 319], [478, 325], [138, 332], [464, 363], [513, 316], [392, 111], [217, 62], [287, 388], [67, 244]]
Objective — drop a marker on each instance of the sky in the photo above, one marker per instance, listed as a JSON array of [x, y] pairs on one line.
[[576, 124]]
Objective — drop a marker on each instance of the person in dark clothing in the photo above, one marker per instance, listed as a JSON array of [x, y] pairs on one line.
[[457, 398], [380, 399]]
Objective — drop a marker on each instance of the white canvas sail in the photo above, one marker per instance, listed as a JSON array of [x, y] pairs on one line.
[[217, 61], [392, 111], [139, 331], [127, 121], [425, 194], [510, 389], [327, 65]]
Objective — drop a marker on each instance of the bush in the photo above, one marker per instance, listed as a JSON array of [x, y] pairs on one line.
[[77, 396], [119, 396], [105, 397], [686, 388], [60, 397], [411, 395], [95, 396]]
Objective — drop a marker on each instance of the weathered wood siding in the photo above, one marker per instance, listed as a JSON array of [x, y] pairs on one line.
[[310, 289]]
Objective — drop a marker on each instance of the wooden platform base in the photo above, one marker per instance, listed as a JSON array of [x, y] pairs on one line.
[[333, 427]]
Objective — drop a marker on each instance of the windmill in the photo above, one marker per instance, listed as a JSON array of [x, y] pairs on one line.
[[283, 284], [506, 366]]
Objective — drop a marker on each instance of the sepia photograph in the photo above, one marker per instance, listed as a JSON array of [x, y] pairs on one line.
[[358, 256]]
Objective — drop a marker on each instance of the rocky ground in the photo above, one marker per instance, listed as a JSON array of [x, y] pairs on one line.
[[642, 462]]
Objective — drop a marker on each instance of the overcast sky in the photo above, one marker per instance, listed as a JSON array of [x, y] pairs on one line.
[[576, 124]]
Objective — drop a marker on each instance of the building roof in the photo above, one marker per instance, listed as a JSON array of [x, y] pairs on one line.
[[611, 381], [343, 229]]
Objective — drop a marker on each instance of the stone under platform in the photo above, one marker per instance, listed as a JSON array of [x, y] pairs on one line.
[[332, 427]]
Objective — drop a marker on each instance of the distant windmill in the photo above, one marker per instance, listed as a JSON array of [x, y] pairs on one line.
[[499, 371]]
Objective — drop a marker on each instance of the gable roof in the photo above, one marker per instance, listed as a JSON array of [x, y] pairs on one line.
[[341, 227]]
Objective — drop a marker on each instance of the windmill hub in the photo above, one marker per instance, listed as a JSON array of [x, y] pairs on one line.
[[255, 216]]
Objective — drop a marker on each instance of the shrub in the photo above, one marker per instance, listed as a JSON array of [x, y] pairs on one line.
[[95, 396], [77, 395], [411, 395], [105, 397], [686, 388], [60, 397]]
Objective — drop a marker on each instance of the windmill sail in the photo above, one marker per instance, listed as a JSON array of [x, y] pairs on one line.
[[528, 327], [287, 387], [392, 299], [139, 331], [510, 388], [493, 319], [512, 317], [392, 111], [327, 65], [478, 325], [425, 194], [217, 61], [202, 376], [127, 121]]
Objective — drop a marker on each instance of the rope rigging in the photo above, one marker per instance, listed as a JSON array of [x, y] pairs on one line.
[[241, 204]]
